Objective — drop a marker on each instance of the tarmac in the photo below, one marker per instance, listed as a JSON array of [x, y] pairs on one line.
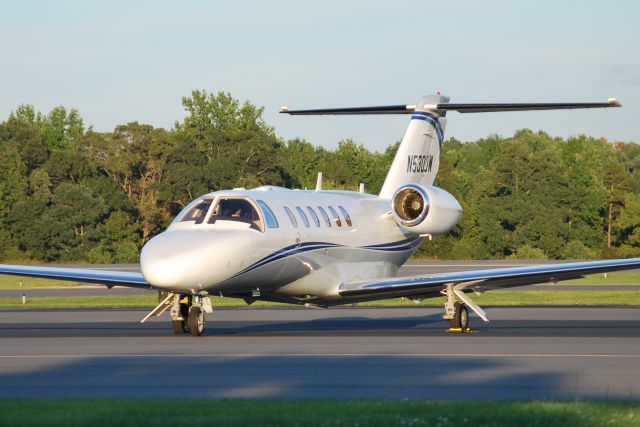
[[339, 353]]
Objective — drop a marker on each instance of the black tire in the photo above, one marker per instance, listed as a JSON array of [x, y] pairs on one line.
[[463, 317], [179, 326], [460, 317], [454, 323], [196, 320], [184, 312]]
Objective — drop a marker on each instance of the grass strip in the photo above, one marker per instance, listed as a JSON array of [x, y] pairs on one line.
[[619, 278], [17, 282], [280, 413], [491, 298]]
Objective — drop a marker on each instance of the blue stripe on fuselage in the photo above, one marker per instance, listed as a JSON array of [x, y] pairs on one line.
[[286, 252], [402, 245], [296, 249]]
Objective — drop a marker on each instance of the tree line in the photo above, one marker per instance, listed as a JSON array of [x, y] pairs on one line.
[[69, 193]]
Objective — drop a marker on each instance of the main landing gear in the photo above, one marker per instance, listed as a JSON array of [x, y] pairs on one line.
[[456, 312], [460, 321], [187, 314]]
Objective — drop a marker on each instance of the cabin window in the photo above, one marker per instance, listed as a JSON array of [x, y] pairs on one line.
[[314, 216], [292, 218], [336, 218], [270, 218], [325, 216], [198, 212], [345, 215], [237, 210], [303, 216]]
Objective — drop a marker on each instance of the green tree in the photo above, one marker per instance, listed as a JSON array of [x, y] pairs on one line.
[[117, 240], [528, 253], [61, 127], [575, 249], [617, 182], [13, 180], [240, 148], [583, 190], [222, 112], [301, 163], [134, 157], [629, 226]]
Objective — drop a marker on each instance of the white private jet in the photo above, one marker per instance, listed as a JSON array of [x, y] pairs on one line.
[[324, 248]]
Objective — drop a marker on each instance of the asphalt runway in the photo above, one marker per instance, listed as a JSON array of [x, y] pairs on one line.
[[340, 353]]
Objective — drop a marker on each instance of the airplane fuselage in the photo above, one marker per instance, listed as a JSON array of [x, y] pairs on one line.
[[295, 246]]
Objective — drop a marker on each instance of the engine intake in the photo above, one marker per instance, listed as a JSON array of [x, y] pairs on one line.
[[425, 210], [410, 205]]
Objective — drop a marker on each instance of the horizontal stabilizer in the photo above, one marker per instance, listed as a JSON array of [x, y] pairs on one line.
[[461, 108], [384, 109], [487, 108]]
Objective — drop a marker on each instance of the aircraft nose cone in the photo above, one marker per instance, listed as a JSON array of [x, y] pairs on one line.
[[179, 260]]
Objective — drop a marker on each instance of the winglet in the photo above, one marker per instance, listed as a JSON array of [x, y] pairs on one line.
[[614, 102]]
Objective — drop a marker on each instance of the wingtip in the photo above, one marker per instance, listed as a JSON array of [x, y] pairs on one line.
[[284, 109], [614, 102]]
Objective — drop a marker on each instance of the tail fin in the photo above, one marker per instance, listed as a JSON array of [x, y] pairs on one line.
[[418, 156]]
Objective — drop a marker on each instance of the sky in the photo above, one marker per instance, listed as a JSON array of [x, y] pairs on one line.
[[123, 61]]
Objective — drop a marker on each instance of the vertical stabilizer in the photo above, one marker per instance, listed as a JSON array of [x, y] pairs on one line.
[[418, 156]]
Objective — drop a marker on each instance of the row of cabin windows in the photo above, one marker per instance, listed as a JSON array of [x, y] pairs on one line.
[[316, 219], [241, 210]]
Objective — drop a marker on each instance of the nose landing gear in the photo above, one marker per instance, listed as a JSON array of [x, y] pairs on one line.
[[187, 314], [180, 314], [196, 320]]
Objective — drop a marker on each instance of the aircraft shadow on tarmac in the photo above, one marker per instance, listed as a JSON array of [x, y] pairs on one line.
[[283, 376], [413, 326]]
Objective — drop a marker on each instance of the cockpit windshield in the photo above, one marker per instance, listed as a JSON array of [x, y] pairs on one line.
[[236, 209], [198, 212]]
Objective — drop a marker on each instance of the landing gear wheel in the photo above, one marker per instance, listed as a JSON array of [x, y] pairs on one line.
[[463, 317], [196, 320], [460, 321], [184, 313], [179, 326]]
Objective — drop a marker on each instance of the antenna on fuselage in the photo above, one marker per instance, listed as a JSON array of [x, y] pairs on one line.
[[319, 182]]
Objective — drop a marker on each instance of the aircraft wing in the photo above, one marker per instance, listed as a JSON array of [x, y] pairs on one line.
[[481, 280], [85, 275]]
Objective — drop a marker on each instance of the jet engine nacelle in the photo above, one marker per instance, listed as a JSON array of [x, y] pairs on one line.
[[425, 210]]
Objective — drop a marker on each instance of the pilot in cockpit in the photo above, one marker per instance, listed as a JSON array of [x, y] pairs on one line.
[[235, 210]]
